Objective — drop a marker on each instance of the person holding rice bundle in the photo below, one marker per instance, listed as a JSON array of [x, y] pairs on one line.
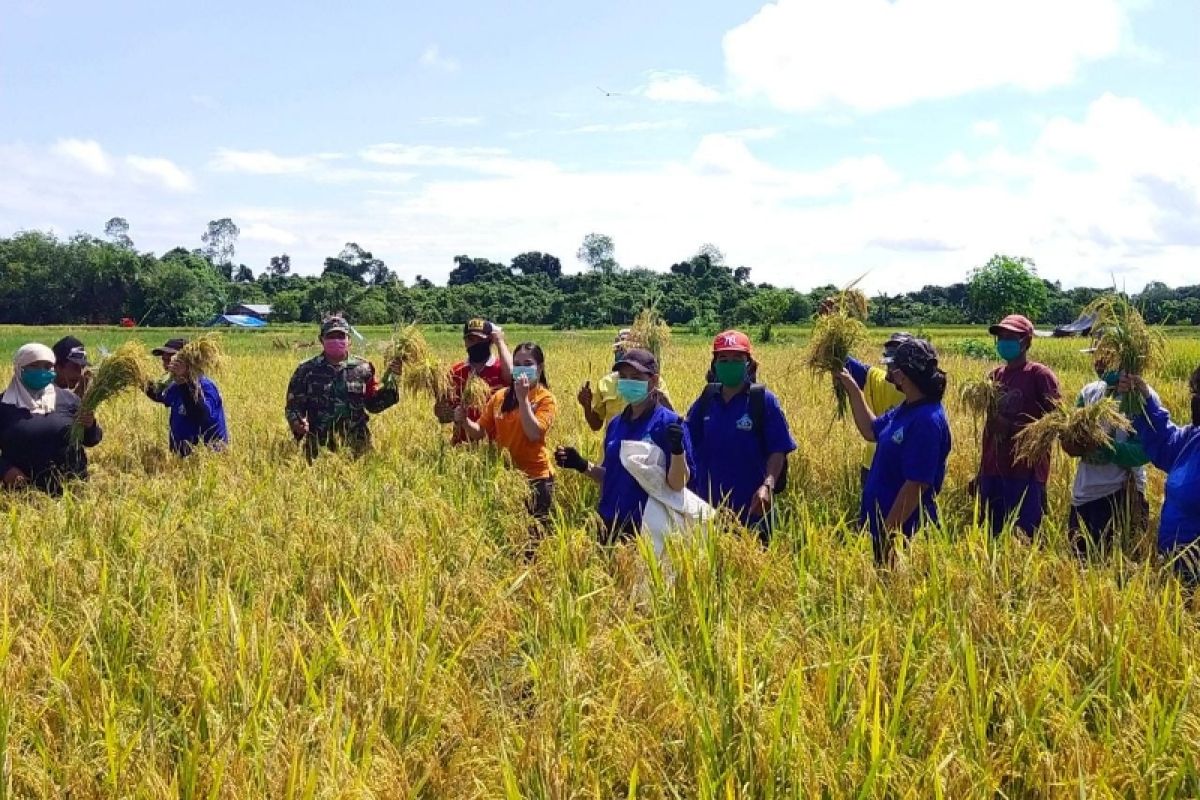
[[493, 369], [879, 391], [197, 410], [913, 444], [645, 419], [36, 418], [740, 436], [330, 395], [605, 403], [1176, 451], [1109, 492], [518, 420], [1006, 487], [71, 365]]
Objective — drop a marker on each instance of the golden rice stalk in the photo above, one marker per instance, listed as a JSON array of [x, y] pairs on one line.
[[1091, 427], [201, 356], [833, 340], [980, 397], [1087, 429], [851, 302], [476, 393], [1124, 342], [127, 368], [409, 346], [428, 376], [650, 331]]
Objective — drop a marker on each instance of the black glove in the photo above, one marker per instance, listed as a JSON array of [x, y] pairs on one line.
[[675, 438], [569, 458]]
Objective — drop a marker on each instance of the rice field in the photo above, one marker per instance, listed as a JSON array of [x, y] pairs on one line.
[[242, 625]]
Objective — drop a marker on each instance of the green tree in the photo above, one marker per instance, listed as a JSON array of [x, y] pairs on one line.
[[1006, 285], [599, 253], [117, 230], [220, 244]]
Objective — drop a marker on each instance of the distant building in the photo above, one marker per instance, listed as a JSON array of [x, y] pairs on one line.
[[236, 321], [256, 310]]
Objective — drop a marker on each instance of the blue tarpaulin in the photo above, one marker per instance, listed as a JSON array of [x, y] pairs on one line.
[[236, 321]]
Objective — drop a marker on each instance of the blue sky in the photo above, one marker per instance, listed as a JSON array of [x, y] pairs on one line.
[[811, 140]]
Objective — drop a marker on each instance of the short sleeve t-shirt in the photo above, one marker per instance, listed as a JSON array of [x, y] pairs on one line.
[[506, 430], [912, 444], [607, 403], [1027, 393], [881, 396], [622, 498], [1096, 481], [731, 461]]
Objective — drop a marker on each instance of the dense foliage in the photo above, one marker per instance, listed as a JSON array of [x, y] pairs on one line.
[[84, 279]]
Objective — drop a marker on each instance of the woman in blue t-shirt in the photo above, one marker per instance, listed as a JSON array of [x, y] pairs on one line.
[[645, 419], [912, 445], [740, 435]]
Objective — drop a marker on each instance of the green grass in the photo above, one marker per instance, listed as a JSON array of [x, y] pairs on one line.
[[242, 625]]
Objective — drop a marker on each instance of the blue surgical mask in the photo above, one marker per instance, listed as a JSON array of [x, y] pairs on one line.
[[1008, 349], [633, 391], [36, 380], [528, 372], [1112, 377]]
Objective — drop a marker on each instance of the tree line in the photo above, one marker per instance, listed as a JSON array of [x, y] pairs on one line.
[[46, 280]]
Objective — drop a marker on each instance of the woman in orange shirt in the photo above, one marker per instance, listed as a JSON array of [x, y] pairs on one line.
[[517, 419]]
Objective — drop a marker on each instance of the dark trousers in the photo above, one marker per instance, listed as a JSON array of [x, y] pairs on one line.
[[1022, 500], [1093, 526], [538, 503]]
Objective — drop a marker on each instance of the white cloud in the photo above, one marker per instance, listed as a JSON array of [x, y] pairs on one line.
[[207, 102], [161, 170], [678, 87], [1112, 190], [629, 127], [432, 58], [986, 128], [877, 54], [263, 162], [486, 160], [87, 153], [263, 232], [452, 122]]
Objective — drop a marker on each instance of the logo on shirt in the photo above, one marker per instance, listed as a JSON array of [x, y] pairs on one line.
[[898, 436], [745, 423]]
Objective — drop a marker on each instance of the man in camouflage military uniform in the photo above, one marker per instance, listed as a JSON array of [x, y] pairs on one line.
[[330, 394]]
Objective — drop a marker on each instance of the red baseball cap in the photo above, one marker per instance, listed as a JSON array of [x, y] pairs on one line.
[[731, 342], [1013, 323]]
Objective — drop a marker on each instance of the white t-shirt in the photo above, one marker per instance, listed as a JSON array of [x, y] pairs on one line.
[[1094, 481]]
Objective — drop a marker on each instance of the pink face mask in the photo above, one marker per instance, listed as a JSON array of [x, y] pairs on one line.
[[337, 348]]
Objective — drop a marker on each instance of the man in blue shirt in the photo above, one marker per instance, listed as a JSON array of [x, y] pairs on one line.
[[645, 419], [197, 411], [740, 435], [1176, 451], [912, 446]]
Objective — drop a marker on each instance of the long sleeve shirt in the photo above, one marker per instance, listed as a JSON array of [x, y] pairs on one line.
[[39, 444], [1176, 451], [336, 398], [196, 417]]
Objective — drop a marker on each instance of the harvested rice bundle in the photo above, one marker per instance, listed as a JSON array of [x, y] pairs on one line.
[[1083, 429], [981, 398], [429, 376], [834, 338], [409, 346], [1124, 342], [201, 356], [476, 393], [852, 303], [650, 332], [127, 368]]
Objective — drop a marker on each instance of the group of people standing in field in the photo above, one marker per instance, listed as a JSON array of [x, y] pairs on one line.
[[730, 449]]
